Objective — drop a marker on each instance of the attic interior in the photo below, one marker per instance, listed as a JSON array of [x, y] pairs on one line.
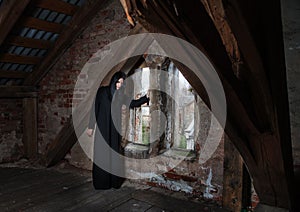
[[48, 47]]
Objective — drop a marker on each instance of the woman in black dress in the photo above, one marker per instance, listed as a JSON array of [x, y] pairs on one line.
[[107, 130]]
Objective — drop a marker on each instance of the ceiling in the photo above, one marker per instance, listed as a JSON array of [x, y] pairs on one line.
[[34, 33]]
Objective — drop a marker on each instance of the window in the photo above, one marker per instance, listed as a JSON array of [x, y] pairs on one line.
[[179, 110]]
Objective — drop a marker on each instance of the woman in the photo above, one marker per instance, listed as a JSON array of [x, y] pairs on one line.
[[106, 131]]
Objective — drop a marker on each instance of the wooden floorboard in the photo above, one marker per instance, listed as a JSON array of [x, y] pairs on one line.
[[108, 200], [9, 172], [34, 187], [132, 205], [37, 190], [168, 203], [39, 194]]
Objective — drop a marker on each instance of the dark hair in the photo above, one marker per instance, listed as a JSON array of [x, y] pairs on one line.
[[118, 75]]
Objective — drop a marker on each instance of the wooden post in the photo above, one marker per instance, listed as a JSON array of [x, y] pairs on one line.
[[232, 177], [30, 127], [236, 179]]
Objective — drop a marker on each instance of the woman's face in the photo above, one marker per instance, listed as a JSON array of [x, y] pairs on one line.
[[119, 83]]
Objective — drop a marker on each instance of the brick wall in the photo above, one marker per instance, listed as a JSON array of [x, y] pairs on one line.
[[11, 130], [56, 91]]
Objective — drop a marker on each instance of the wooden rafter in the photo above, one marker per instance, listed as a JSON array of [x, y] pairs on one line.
[[71, 31], [11, 58], [39, 24], [13, 74], [57, 6], [18, 92], [29, 42], [10, 11], [257, 80]]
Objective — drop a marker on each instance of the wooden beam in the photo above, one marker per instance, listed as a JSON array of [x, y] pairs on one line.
[[13, 74], [72, 30], [30, 139], [62, 144], [11, 58], [18, 92], [232, 177], [257, 79], [274, 62], [39, 24], [57, 6], [29, 42], [216, 11], [10, 11], [265, 58]]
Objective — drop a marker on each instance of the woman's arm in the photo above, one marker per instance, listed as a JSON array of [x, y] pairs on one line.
[[139, 102]]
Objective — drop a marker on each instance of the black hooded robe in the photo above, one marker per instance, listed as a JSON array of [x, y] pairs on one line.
[[101, 113]]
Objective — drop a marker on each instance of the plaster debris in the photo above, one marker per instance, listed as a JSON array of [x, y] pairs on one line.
[[209, 186]]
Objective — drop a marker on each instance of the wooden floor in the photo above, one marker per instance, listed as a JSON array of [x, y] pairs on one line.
[[51, 190]]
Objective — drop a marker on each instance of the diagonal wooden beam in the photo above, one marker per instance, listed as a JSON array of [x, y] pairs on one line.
[[10, 12], [13, 74], [11, 58], [57, 6], [29, 42], [72, 30], [257, 79]]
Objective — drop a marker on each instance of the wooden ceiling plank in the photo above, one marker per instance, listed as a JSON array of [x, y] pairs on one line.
[[57, 6], [13, 74], [29, 42], [80, 19], [39, 24], [11, 58], [17, 91], [10, 11]]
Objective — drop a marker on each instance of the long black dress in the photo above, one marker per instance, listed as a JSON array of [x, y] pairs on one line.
[[107, 132]]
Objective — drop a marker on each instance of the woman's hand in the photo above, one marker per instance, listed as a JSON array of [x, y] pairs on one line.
[[89, 132]]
